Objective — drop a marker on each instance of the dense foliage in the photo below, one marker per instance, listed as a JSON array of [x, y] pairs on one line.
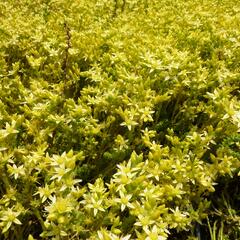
[[119, 119]]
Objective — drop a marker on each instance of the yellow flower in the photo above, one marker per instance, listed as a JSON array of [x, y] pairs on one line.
[[9, 217], [124, 200]]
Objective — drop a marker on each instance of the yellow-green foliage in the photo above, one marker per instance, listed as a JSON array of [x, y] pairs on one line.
[[119, 119]]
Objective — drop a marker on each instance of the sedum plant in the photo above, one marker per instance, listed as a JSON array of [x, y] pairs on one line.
[[119, 120]]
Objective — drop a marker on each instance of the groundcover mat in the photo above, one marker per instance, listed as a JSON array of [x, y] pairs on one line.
[[119, 119]]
